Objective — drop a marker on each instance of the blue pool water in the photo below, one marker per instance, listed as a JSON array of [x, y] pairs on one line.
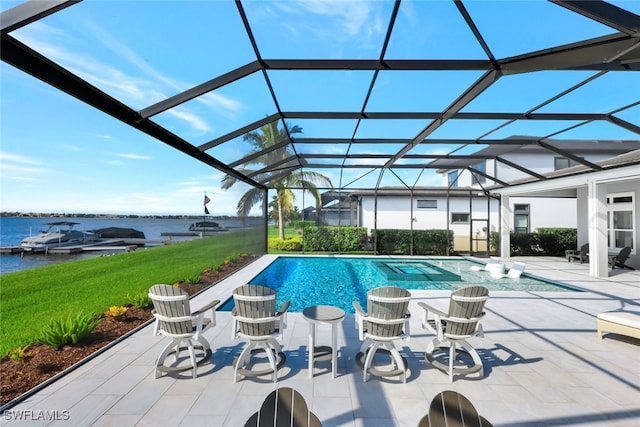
[[307, 281]]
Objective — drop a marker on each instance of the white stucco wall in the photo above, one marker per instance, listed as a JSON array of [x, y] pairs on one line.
[[547, 212], [541, 163], [397, 213]]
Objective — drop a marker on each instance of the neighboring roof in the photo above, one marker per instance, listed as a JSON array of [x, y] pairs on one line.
[[612, 163], [575, 147], [417, 192], [625, 159], [370, 145]]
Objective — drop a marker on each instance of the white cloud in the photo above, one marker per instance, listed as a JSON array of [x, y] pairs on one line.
[[196, 122], [18, 158], [132, 156], [20, 168], [138, 91], [352, 18]]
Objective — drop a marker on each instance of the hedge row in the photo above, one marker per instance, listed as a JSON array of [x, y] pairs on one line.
[[334, 239], [425, 242], [545, 241]]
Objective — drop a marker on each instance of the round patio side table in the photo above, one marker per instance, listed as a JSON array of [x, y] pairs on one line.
[[328, 315]]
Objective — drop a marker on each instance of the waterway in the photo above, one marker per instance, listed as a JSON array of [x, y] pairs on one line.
[[14, 229]]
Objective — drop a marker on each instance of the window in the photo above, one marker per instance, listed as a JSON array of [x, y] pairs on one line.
[[620, 220], [453, 179], [477, 178], [563, 163], [459, 218], [427, 204], [521, 218]]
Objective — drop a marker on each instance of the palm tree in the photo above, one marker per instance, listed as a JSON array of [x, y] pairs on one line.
[[262, 140]]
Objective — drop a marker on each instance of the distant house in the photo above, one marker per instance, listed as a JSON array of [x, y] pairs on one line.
[[469, 203]]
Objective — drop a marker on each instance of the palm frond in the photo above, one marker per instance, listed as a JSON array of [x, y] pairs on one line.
[[248, 201]]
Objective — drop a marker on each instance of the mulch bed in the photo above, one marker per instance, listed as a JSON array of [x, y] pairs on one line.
[[18, 377]]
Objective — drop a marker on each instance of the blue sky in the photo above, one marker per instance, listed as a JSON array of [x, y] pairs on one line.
[[59, 155]]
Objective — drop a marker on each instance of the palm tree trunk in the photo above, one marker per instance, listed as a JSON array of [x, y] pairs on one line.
[[280, 217]]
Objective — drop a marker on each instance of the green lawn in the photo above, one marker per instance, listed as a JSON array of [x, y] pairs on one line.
[[288, 232], [31, 298]]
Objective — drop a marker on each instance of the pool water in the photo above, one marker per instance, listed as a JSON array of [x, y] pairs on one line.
[[307, 281]]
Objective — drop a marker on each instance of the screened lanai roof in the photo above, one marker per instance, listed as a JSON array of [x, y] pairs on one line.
[[385, 92]]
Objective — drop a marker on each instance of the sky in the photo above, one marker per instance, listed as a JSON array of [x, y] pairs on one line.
[[60, 155]]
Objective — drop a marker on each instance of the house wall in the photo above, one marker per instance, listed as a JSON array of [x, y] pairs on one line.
[[541, 163], [593, 212], [548, 212], [399, 212]]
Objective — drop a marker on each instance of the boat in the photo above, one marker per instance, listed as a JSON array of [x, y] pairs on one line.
[[58, 234], [206, 226], [119, 233]]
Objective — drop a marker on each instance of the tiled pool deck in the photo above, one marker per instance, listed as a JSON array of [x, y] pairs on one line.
[[544, 365]]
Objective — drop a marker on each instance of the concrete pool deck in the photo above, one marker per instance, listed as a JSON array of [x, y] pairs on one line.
[[544, 365]]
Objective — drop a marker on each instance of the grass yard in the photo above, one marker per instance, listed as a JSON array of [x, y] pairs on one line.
[[289, 231], [32, 298]]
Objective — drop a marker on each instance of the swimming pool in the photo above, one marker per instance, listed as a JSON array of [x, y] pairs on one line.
[[338, 281]]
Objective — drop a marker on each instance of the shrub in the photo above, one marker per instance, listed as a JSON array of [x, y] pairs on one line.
[[71, 330], [293, 244], [494, 242], [425, 242], [141, 300], [545, 241], [231, 259], [117, 312], [193, 279], [301, 225], [19, 354], [334, 239], [554, 241]]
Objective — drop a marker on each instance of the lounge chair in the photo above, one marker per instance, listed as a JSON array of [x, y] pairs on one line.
[[620, 259], [450, 408], [454, 328], [384, 322], [284, 407], [619, 322], [581, 254], [514, 272], [256, 319], [487, 266], [175, 320]]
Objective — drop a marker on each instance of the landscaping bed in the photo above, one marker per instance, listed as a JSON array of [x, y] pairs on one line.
[[42, 362]]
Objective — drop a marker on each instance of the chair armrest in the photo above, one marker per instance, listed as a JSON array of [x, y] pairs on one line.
[[207, 307], [427, 307], [360, 314], [284, 308], [358, 308], [434, 325], [200, 313]]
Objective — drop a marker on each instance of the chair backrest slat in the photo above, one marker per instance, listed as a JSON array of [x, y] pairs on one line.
[[255, 302], [450, 408], [466, 303], [171, 302], [387, 303], [284, 407]]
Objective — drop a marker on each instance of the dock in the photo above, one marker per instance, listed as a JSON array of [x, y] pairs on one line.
[[126, 245]]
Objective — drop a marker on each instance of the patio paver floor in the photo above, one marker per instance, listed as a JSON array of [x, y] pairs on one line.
[[544, 365]]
